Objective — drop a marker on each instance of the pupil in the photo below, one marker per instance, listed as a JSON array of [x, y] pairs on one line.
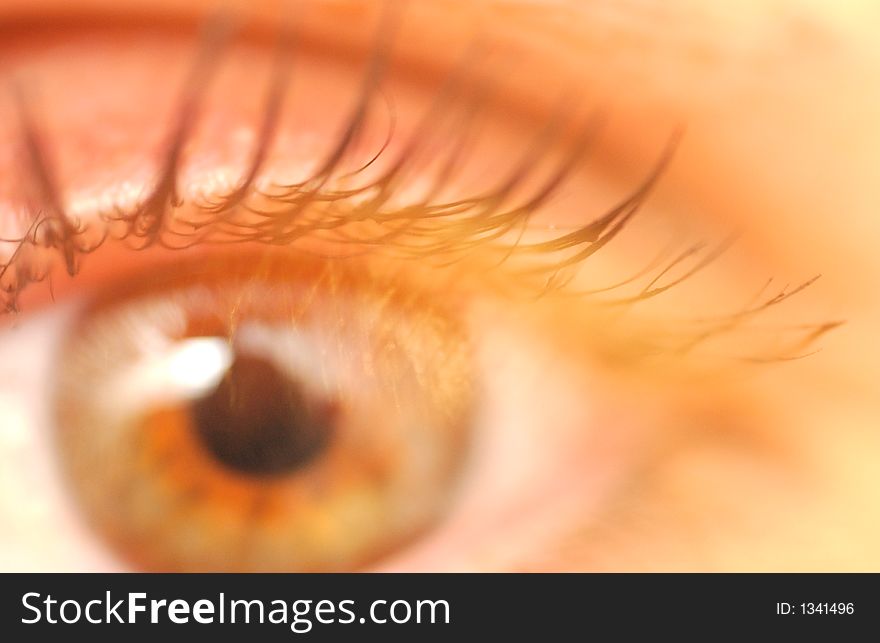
[[260, 422]]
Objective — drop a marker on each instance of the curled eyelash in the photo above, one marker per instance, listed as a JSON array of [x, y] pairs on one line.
[[359, 210]]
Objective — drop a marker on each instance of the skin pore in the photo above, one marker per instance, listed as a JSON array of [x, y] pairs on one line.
[[775, 471]]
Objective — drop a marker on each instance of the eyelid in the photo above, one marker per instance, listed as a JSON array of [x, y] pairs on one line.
[[580, 199], [64, 143]]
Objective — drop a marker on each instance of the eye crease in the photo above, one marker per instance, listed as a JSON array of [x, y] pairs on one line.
[[391, 206]]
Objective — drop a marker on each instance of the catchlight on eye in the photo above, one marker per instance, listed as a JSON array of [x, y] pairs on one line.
[[257, 413]]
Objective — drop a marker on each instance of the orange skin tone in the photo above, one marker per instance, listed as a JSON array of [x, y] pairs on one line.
[[779, 104]]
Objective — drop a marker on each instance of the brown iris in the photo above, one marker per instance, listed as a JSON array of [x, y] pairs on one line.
[[294, 416]]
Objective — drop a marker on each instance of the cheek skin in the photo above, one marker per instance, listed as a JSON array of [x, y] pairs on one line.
[[781, 139]]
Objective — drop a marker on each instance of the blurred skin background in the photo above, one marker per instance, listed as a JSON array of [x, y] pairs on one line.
[[773, 469]]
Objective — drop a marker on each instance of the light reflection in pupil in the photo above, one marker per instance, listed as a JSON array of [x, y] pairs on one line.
[[261, 422]]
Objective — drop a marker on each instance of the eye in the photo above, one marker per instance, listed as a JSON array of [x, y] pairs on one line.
[[370, 389], [230, 407]]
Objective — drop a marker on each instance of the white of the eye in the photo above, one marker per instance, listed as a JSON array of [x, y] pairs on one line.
[[41, 528]]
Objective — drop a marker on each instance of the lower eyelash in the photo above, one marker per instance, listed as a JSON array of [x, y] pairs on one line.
[[365, 217]]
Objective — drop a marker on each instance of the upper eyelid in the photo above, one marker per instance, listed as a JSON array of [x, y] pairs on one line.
[[63, 233], [587, 237]]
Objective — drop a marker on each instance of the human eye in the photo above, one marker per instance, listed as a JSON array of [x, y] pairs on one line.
[[511, 377]]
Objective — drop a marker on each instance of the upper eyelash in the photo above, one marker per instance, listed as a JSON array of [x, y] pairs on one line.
[[429, 228]]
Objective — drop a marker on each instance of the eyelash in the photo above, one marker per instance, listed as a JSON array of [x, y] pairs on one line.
[[440, 230]]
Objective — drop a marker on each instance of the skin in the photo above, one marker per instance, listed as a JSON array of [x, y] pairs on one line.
[[776, 470]]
